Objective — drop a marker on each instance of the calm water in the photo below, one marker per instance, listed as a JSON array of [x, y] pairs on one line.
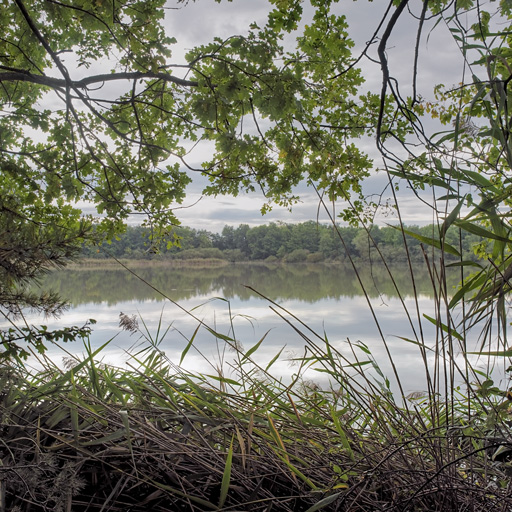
[[328, 299]]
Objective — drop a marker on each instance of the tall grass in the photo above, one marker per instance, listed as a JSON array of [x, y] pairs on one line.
[[156, 437], [153, 436]]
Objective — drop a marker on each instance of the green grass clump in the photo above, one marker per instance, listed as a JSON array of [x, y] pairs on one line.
[[155, 437]]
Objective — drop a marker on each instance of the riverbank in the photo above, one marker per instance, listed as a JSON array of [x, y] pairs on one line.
[[92, 263], [105, 263], [153, 437]]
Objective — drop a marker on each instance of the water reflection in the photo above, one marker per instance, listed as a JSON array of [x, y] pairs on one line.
[[328, 299], [309, 283]]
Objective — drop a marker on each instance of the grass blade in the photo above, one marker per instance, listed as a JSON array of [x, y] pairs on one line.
[[226, 477], [323, 502], [189, 344]]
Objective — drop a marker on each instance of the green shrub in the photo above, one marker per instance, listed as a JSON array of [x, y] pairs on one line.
[[234, 255], [315, 257], [297, 256], [204, 253]]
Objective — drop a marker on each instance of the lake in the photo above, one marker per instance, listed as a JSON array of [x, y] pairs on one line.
[[326, 298]]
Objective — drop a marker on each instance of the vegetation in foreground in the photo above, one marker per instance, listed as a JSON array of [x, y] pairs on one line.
[[96, 438], [154, 437]]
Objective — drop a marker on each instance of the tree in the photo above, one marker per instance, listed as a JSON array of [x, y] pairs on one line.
[[240, 239], [28, 249], [265, 241], [274, 115], [466, 160], [304, 236], [118, 138]]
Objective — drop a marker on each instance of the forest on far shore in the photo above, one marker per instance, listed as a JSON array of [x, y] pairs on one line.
[[292, 243]]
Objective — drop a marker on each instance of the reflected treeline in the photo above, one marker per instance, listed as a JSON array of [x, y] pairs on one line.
[[308, 282]]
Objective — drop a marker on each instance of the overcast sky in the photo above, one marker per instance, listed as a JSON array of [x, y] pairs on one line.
[[198, 22]]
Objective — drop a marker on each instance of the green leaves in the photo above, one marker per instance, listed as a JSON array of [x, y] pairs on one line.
[[434, 242], [226, 477], [120, 139], [38, 338]]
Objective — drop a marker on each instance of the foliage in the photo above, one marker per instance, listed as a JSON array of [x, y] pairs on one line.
[[273, 117], [119, 138], [297, 256], [30, 246], [38, 338], [92, 436], [468, 162], [34, 239], [281, 240]]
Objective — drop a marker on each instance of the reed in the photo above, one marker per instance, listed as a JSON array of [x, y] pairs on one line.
[[153, 436]]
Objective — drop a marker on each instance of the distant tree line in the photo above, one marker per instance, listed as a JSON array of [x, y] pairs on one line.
[[292, 243]]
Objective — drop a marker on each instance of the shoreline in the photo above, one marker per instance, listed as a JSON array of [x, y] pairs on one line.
[[92, 263]]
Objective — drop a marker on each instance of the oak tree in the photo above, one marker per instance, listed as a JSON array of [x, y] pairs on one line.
[[94, 110]]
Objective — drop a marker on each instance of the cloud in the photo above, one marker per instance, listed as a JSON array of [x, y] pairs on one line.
[[199, 22], [213, 213]]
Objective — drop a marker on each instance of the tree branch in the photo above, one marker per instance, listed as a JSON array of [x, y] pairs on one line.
[[59, 83], [384, 64]]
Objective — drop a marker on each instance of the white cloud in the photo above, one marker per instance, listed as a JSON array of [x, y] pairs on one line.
[[199, 22]]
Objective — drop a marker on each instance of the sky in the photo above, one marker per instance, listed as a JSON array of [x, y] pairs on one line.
[[198, 22]]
